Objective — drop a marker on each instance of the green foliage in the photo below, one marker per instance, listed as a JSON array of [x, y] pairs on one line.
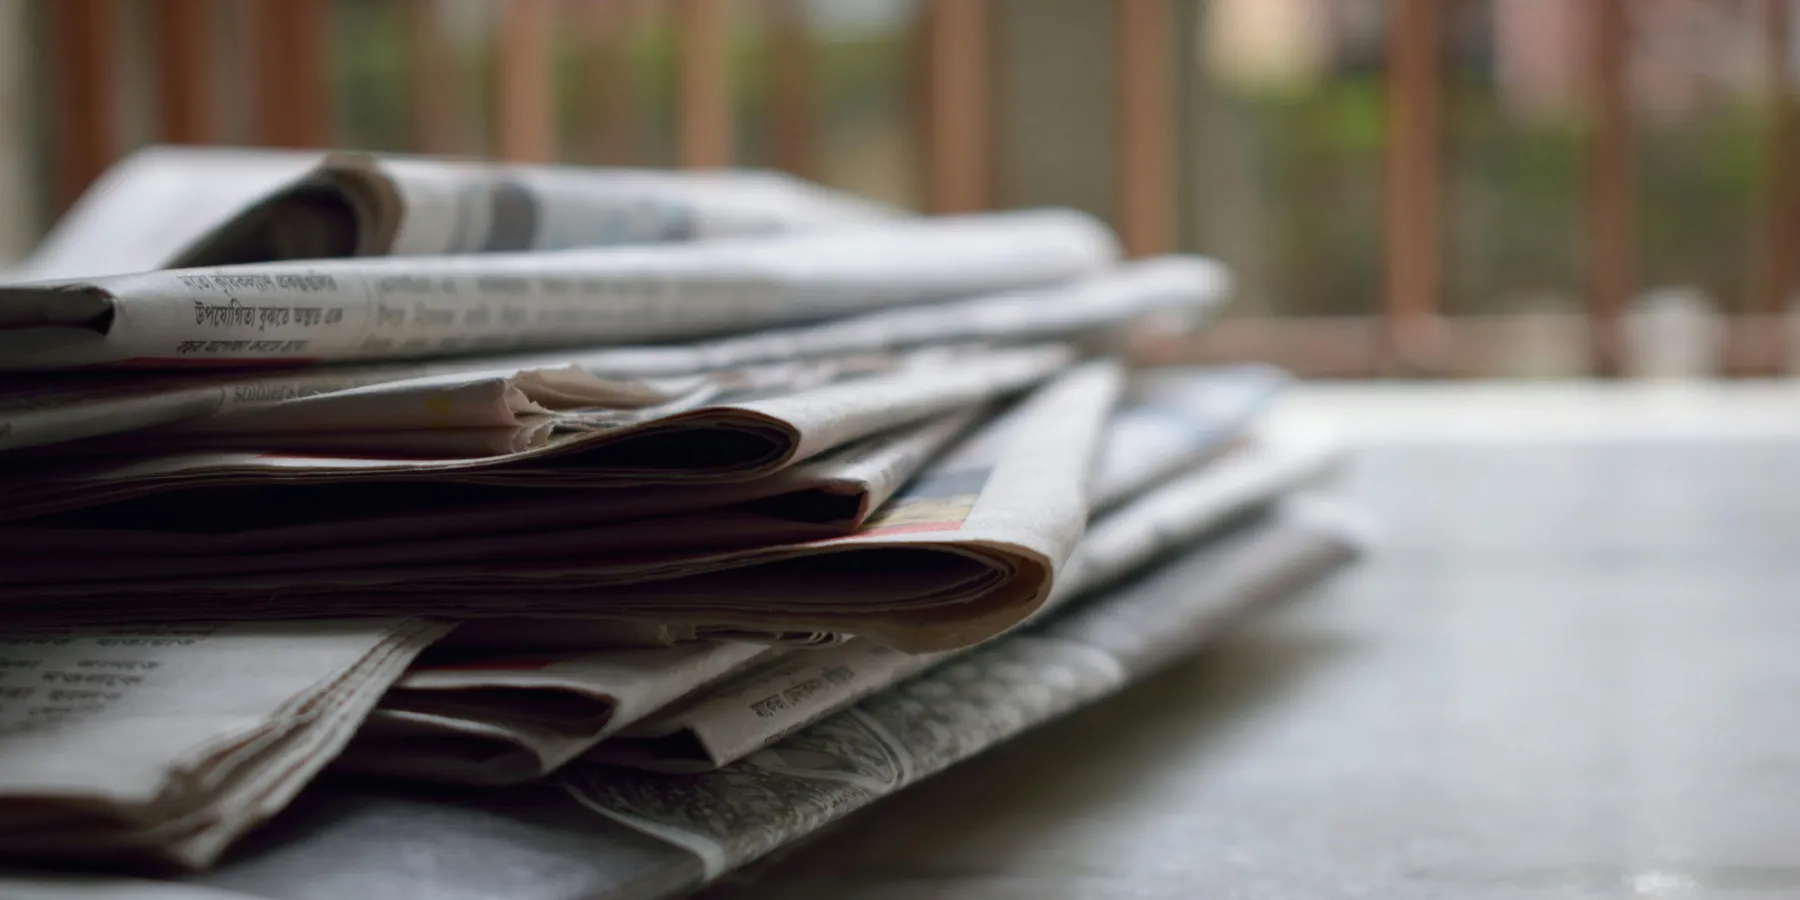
[[1317, 171], [1511, 198], [1512, 204], [854, 79], [369, 81], [1700, 185]]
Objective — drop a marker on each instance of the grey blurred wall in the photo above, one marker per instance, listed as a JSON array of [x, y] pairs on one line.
[[18, 206]]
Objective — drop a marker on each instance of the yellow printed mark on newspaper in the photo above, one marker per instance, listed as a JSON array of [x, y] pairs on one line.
[[921, 514]]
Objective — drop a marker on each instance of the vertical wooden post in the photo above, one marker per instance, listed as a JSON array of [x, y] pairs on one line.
[[792, 92], [1608, 202], [1414, 278], [290, 47], [83, 54], [183, 31], [432, 79], [1145, 182], [524, 95], [704, 110], [959, 102], [1759, 347], [612, 115], [919, 110]]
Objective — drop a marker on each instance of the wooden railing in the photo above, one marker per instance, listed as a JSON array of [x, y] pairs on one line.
[[287, 46]]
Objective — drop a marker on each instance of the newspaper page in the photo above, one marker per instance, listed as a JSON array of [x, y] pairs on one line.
[[833, 493], [1170, 419], [62, 409], [359, 204], [165, 742], [151, 205], [893, 738], [54, 409], [825, 497], [738, 427], [177, 206], [830, 494], [358, 840], [967, 549], [1177, 417], [1169, 289], [414, 307], [753, 710], [504, 718]]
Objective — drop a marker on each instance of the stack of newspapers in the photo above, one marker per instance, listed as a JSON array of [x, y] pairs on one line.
[[448, 528]]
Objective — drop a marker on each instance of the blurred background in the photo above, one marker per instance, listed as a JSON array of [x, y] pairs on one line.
[[1418, 188]]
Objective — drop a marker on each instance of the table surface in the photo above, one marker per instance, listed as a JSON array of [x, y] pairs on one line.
[[1569, 669]]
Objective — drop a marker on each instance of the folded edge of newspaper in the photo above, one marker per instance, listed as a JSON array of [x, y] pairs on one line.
[[58, 409], [367, 204], [966, 550], [496, 718], [750, 711], [166, 743], [658, 836], [891, 739], [825, 404], [431, 306]]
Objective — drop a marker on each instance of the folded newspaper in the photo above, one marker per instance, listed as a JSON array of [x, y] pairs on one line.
[[359, 204], [1175, 418], [775, 796], [604, 833], [499, 717], [730, 427], [690, 547], [832, 493], [721, 724], [967, 549], [1171, 419], [176, 206], [51, 409], [422, 306], [164, 743]]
